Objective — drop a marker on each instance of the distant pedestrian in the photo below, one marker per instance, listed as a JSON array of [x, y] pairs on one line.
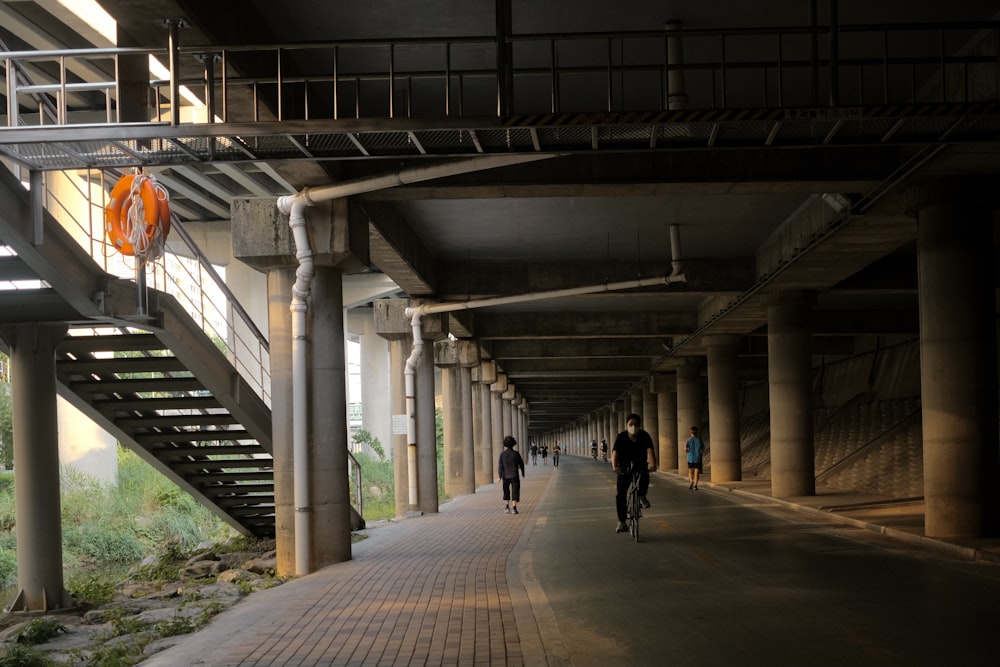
[[534, 454], [555, 455], [509, 466], [695, 449], [545, 454]]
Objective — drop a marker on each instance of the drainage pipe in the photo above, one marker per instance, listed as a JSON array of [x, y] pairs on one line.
[[294, 206]]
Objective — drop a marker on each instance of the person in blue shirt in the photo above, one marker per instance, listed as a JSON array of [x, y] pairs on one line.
[[695, 449]]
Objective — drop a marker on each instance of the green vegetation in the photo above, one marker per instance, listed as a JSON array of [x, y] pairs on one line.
[[109, 527]]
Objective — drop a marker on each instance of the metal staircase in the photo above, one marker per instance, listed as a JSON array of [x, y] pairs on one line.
[[216, 447]]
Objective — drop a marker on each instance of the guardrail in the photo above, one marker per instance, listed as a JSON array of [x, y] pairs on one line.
[[825, 66]]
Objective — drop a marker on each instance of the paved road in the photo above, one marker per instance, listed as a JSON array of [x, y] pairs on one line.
[[720, 580]]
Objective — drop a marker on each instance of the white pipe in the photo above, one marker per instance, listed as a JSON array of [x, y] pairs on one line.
[[293, 206], [300, 389], [410, 378], [427, 309], [675, 250]]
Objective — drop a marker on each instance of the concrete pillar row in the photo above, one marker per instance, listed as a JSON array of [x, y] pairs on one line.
[[724, 407], [958, 356], [690, 405], [664, 387], [790, 393]]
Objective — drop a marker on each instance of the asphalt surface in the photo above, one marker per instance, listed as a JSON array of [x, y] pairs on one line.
[[721, 576]]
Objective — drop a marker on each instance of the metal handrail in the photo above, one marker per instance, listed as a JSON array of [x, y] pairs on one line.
[[876, 58], [245, 345]]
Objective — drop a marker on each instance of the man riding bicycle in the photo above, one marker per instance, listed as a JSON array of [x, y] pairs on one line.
[[633, 450]]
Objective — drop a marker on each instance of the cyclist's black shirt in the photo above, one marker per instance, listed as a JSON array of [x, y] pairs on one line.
[[630, 451]]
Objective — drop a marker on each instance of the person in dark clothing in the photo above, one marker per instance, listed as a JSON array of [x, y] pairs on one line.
[[633, 450], [510, 465]]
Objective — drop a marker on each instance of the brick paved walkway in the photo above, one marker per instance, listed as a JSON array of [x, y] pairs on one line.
[[445, 589]]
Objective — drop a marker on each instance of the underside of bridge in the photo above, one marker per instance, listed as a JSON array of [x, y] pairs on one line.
[[752, 148]]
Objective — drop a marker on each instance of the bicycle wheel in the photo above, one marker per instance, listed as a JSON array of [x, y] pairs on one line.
[[634, 510]]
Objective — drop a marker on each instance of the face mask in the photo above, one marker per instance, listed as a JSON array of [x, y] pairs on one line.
[[632, 429]]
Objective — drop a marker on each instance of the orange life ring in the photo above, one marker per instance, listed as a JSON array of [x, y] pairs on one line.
[[155, 218]]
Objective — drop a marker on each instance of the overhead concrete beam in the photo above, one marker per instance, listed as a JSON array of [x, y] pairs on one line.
[[397, 250], [540, 325], [616, 348]]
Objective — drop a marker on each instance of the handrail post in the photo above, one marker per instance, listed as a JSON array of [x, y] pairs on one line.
[[173, 51]]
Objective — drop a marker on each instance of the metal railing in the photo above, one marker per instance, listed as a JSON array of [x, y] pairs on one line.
[[78, 205], [788, 67]]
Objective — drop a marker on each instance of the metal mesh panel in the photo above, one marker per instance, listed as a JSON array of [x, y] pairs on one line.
[[329, 144], [683, 133], [744, 132], [448, 141], [388, 143], [507, 139], [565, 137], [624, 135], [869, 131]]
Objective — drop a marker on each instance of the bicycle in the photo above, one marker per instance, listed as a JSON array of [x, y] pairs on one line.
[[633, 505]]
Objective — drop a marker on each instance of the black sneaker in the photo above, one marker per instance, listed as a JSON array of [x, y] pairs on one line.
[[621, 528], [645, 503], [515, 510]]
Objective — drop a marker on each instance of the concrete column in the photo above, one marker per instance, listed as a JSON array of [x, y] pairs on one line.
[[392, 323], [36, 467], [455, 358], [481, 470], [650, 416], [485, 375], [262, 239], [399, 350], [496, 409], [790, 391], [279, 318], [690, 404], [376, 411], [665, 389], [955, 262], [328, 479], [724, 408], [620, 412], [427, 482]]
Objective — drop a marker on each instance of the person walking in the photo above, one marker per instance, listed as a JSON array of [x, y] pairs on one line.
[[555, 455], [545, 455], [633, 450], [511, 470], [534, 454], [695, 449]]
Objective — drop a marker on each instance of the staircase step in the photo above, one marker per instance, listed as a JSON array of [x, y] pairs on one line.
[[118, 366], [206, 435], [222, 464], [80, 346], [108, 406], [168, 421], [167, 453], [223, 491], [229, 478], [135, 386]]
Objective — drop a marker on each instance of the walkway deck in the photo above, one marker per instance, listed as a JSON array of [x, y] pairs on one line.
[[721, 577]]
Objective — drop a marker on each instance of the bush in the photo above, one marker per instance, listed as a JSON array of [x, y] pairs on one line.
[[19, 655], [8, 567]]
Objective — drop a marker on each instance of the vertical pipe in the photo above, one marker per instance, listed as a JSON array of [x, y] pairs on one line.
[[336, 77], [834, 56], [447, 79], [392, 79], [225, 88], [676, 88], [505, 72], [281, 86], [173, 49]]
